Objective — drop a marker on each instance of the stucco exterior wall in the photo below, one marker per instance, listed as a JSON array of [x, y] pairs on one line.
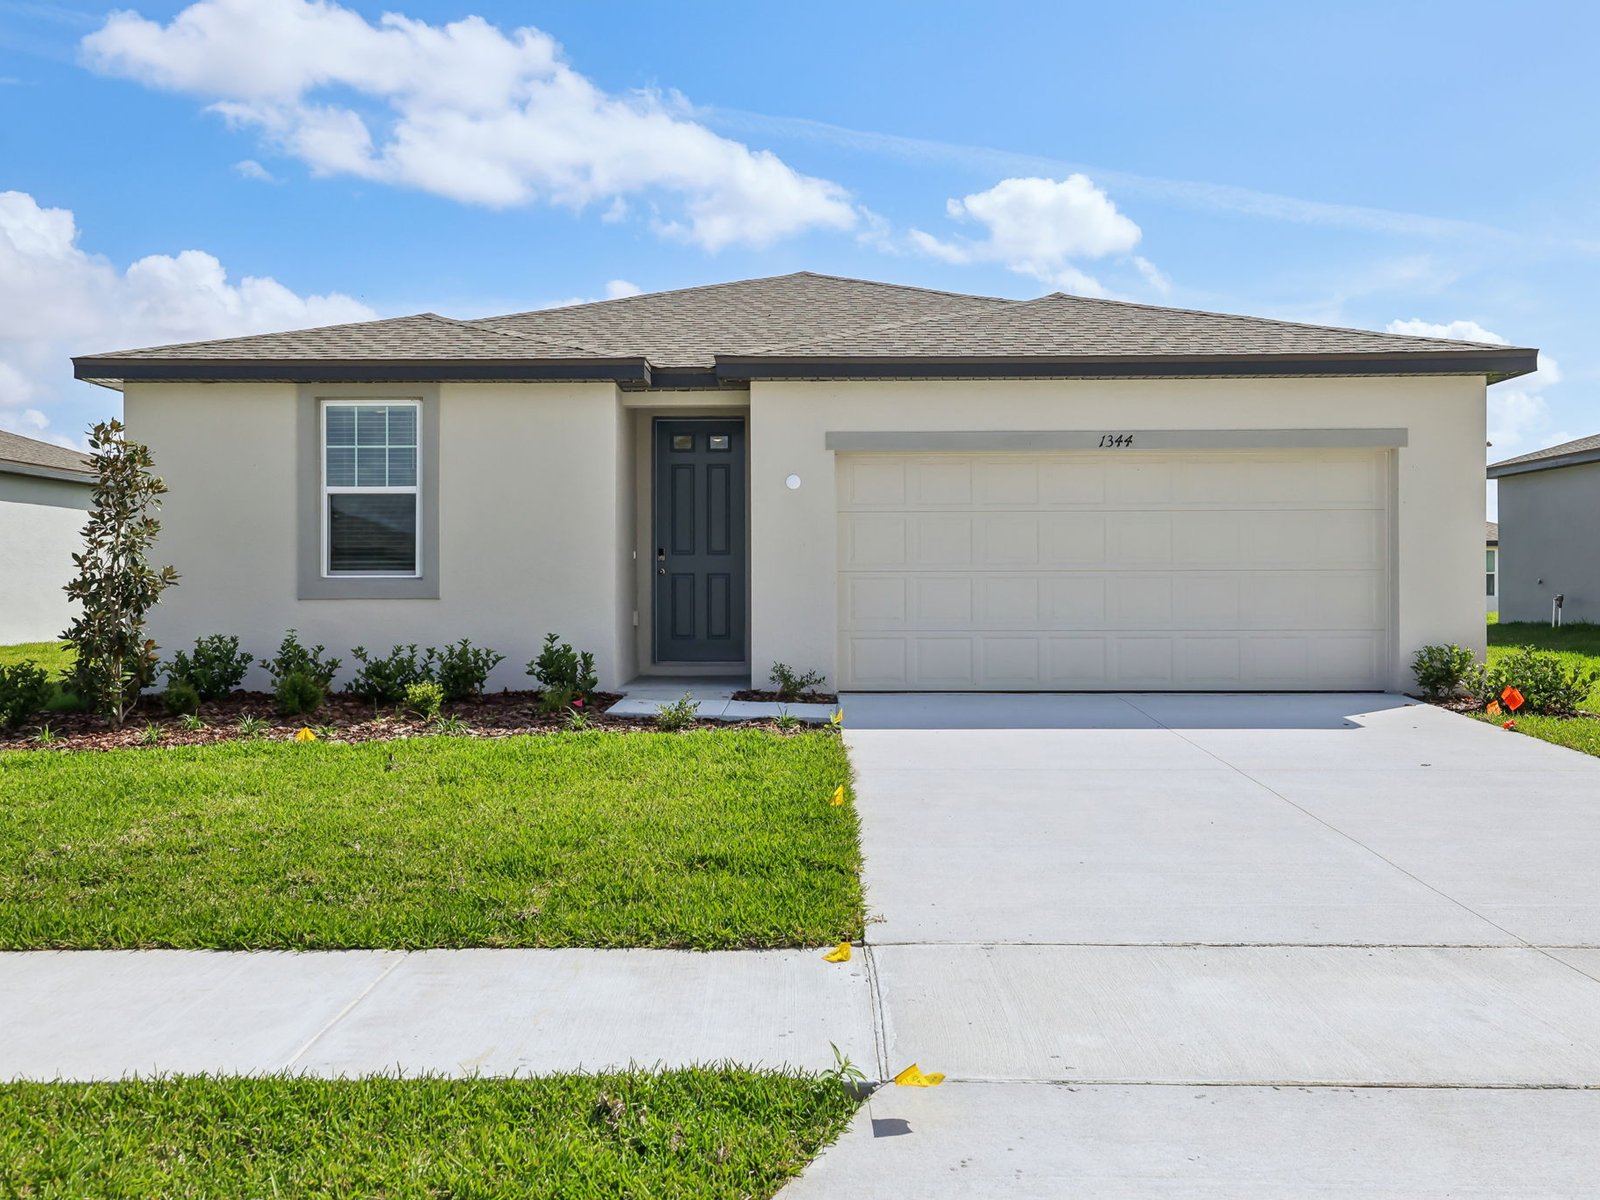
[[1438, 507], [533, 489], [1550, 543], [40, 523]]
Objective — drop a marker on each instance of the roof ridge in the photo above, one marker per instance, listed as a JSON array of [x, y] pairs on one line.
[[1247, 318], [731, 283]]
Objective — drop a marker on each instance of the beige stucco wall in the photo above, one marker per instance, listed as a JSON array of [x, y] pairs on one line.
[[1439, 518], [40, 523], [535, 495]]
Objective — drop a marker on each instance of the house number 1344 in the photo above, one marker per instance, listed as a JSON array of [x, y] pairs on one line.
[[1115, 441]]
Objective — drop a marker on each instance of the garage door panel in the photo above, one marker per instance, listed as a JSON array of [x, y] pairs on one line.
[[1073, 570]]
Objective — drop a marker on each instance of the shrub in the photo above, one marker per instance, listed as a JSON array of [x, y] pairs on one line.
[[425, 698], [564, 675], [385, 680], [214, 669], [115, 585], [1440, 670], [299, 692], [679, 715], [462, 669], [181, 698], [1548, 685], [24, 690], [790, 685], [294, 659]]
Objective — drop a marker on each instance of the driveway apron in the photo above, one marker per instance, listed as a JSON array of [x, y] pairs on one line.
[[1180, 945]]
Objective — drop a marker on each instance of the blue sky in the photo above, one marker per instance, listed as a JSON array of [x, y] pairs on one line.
[[1354, 164]]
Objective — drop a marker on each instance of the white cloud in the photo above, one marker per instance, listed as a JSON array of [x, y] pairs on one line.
[[57, 300], [464, 110], [1036, 227], [616, 289], [1519, 415], [1461, 331], [249, 168]]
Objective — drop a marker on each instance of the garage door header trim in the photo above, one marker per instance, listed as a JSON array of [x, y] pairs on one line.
[[1140, 439]]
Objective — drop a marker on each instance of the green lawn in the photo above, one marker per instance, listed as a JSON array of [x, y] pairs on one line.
[[1577, 645], [55, 657], [700, 1133], [712, 839]]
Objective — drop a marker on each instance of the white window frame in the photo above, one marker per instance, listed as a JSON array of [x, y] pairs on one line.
[[1492, 575], [415, 491]]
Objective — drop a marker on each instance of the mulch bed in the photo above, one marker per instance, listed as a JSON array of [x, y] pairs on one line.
[[766, 697], [342, 718]]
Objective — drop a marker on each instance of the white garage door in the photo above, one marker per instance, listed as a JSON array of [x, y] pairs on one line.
[[1114, 570]]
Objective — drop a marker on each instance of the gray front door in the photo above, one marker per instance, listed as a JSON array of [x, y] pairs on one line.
[[699, 541]]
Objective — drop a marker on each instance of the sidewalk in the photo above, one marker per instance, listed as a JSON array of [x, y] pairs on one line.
[[106, 1014]]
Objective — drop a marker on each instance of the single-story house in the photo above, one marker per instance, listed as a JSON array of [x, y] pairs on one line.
[[1491, 567], [45, 492], [905, 489], [1550, 507]]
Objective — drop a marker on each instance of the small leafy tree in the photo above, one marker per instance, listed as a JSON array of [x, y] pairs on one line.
[[115, 585]]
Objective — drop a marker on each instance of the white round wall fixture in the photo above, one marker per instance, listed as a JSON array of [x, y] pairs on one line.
[[792, 483]]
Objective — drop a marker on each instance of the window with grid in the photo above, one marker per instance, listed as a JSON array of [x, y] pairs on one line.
[[371, 498], [1489, 571]]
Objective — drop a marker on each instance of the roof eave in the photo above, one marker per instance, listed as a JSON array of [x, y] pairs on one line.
[[38, 470], [112, 372], [1494, 364], [1512, 467]]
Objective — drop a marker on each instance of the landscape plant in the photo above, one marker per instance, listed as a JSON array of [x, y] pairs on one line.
[[181, 698], [425, 697], [385, 680], [24, 690], [300, 677], [214, 668], [1549, 685], [1441, 670], [564, 675], [115, 585], [792, 684], [681, 714], [462, 669]]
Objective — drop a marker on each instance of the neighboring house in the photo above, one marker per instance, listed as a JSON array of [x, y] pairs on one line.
[[906, 489], [45, 492], [1491, 568], [1550, 510]]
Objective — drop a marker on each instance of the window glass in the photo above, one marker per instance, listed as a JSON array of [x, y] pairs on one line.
[[1488, 560], [372, 534], [370, 476]]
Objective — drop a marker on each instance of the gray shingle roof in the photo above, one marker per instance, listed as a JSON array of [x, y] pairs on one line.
[[1584, 449], [1493, 534], [737, 331], [1068, 326], [17, 451], [423, 336], [690, 327]]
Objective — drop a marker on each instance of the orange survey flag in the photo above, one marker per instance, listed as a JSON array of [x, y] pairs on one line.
[[1494, 709], [1512, 697]]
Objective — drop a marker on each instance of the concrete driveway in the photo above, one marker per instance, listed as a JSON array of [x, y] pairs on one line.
[[1225, 945]]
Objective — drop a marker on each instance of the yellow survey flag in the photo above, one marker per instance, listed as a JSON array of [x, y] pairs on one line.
[[305, 735], [913, 1077], [838, 796], [840, 953]]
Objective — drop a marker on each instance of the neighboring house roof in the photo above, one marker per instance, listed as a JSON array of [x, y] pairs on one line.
[[27, 456], [1493, 537], [1567, 454], [812, 326]]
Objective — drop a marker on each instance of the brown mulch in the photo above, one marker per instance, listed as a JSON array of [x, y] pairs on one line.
[[768, 697], [342, 718]]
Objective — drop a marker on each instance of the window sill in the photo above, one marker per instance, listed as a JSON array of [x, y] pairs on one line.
[[369, 587]]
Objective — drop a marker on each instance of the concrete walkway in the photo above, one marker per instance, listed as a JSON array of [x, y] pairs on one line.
[[1225, 946]]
